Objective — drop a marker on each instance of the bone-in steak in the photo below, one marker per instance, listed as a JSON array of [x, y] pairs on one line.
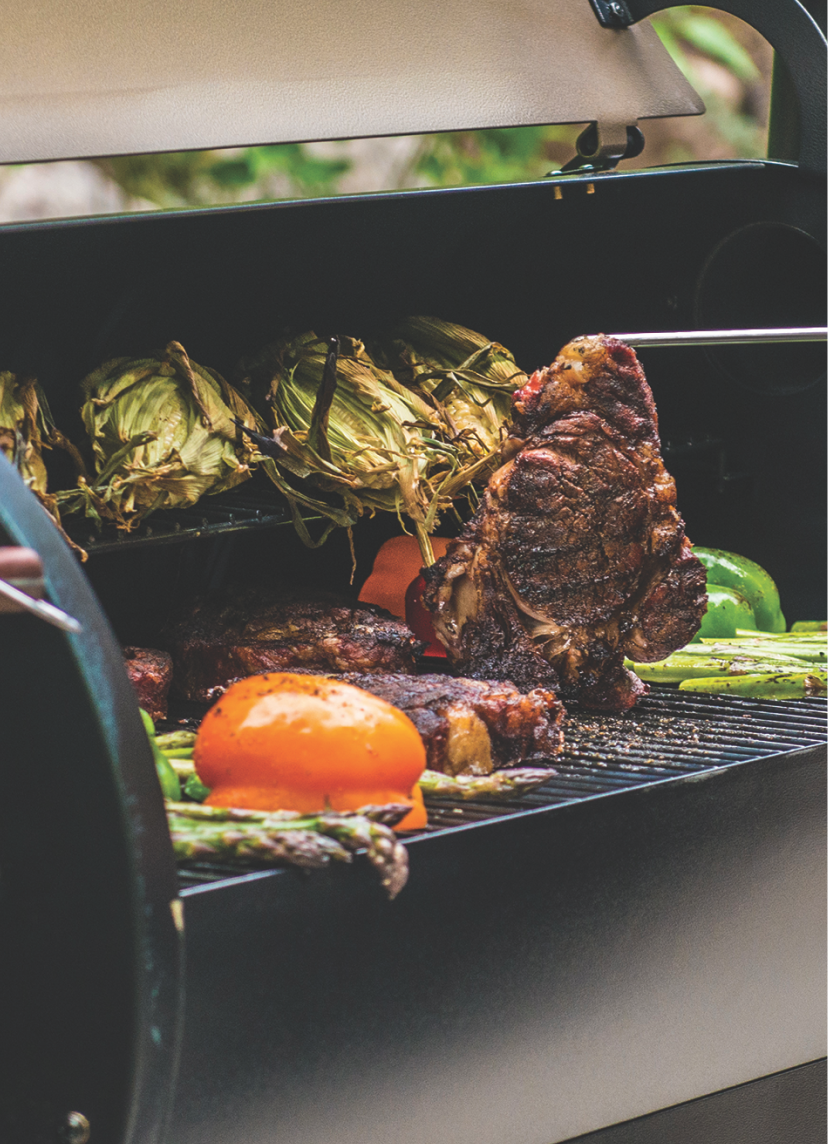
[[469, 726], [249, 630], [577, 555]]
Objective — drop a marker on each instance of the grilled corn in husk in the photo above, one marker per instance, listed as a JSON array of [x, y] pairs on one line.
[[468, 379], [381, 441], [364, 437], [26, 429], [23, 428], [163, 433]]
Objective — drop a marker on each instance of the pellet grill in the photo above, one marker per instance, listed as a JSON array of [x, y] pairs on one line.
[[633, 953]]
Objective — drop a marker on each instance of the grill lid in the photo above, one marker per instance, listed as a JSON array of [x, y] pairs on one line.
[[100, 77]]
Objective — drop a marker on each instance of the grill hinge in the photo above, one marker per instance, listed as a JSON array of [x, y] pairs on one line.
[[602, 145], [612, 13]]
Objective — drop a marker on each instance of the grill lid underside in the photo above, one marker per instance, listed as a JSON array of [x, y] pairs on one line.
[[99, 77]]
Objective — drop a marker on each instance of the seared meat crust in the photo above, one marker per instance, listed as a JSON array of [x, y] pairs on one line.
[[469, 726], [250, 630], [577, 556], [150, 673]]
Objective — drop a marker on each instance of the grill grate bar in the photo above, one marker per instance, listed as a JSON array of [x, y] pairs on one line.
[[798, 712], [668, 734], [226, 512]]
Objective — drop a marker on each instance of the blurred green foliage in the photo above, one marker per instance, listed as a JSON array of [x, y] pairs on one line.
[[496, 155], [196, 178], [707, 46], [709, 36]]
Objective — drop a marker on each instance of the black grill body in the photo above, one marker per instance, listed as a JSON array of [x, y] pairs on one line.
[[643, 931]]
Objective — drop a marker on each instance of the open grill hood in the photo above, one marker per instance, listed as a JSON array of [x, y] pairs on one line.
[[100, 77]]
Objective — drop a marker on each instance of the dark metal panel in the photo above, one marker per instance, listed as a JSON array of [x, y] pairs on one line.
[[91, 949], [786, 1108], [541, 976]]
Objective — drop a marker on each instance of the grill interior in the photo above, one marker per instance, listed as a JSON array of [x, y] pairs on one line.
[[667, 735], [256, 505]]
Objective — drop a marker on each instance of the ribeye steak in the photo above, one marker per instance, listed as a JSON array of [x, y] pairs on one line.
[[472, 727], [248, 630], [577, 556]]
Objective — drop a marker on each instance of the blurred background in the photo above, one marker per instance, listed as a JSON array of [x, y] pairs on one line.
[[726, 61]]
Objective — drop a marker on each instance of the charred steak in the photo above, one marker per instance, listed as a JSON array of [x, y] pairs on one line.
[[250, 630], [577, 556], [150, 673], [471, 727]]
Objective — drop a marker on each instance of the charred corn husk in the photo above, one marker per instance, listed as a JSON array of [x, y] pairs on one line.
[[468, 379], [365, 437], [23, 429], [26, 429], [163, 433]]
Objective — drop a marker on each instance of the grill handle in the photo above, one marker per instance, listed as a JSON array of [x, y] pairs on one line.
[[796, 36]]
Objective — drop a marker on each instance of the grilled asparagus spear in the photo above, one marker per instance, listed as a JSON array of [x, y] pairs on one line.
[[790, 685], [770, 665], [505, 784], [176, 740], [287, 838], [508, 783], [678, 667], [811, 651]]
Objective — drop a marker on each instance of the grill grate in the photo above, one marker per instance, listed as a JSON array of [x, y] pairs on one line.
[[668, 734], [234, 511]]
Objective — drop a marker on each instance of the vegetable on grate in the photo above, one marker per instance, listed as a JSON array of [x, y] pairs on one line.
[[360, 434], [26, 429], [163, 434]]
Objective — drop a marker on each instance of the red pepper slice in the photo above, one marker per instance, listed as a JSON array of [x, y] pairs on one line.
[[418, 618]]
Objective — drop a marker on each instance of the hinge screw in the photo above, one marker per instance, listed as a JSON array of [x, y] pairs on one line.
[[76, 1129], [613, 13]]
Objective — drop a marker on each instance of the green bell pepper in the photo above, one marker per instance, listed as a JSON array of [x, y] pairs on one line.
[[727, 610], [727, 570]]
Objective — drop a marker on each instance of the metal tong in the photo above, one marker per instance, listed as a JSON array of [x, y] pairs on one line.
[[40, 608], [727, 337]]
